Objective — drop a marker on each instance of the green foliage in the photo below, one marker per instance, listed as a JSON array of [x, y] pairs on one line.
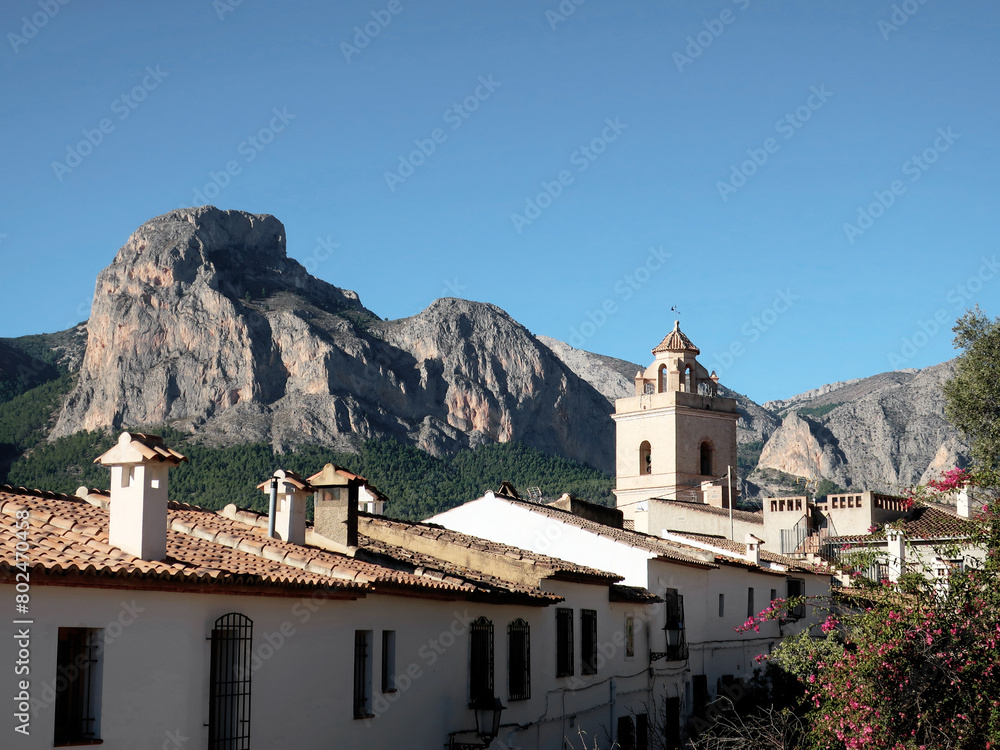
[[417, 484], [747, 456], [818, 411], [972, 396], [23, 418], [825, 487]]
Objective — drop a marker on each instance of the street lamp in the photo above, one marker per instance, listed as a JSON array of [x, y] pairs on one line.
[[674, 632], [487, 711]]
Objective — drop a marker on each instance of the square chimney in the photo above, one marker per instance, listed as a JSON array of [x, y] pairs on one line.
[[139, 464], [336, 504], [290, 510]]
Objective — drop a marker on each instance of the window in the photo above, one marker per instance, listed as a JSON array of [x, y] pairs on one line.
[[519, 660], [629, 636], [774, 595], [674, 626], [700, 689], [480, 661], [671, 724], [645, 458], [564, 642], [362, 674], [642, 731], [796, 587], [229, 689], [78, 686], [750, 612], [588, 641], [661, 380], [626, 733], [706, 459], [388, 661], [722, 605]]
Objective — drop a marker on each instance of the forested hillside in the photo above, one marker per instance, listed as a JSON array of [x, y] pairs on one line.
[[417, 484]]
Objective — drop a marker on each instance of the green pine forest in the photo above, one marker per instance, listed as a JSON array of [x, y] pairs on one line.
[[417, 484]]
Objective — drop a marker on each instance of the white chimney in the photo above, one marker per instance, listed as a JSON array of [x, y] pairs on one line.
[[290, 514], [139, 465], [962, 503], [753, 549], [896, 548]]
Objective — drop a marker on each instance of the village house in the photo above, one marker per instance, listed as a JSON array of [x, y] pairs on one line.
[[151, 623]]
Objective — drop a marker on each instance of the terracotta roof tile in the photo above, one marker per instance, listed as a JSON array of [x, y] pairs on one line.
[[925, 523], [654, 544], [676, 341], [739, 515]]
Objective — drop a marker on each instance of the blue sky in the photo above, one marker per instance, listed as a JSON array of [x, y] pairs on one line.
[[812, 185]]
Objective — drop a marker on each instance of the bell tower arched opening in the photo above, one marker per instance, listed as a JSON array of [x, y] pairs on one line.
[[645, 458], [706, 459]]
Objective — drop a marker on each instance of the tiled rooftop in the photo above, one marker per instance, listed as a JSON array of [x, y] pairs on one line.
[[676, 341], [925, 523], [739, 515], [664, 549], [70, 535], [555, 567], [739, 550]]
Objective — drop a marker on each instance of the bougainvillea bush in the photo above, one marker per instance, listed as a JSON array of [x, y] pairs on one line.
[[913, 664]]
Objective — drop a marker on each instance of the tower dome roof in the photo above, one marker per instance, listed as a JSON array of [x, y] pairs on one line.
[[676, 341]]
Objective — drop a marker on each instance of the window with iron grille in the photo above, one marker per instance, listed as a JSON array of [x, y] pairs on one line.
[[78, 686], [588, 641], [229, 683], [675, 622], [519, 660], [388, 661], [362, 674], [626, 733], [480, 661], [564, 642], [642, 731]]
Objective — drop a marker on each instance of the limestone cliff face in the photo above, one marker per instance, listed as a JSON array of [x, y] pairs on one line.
[[203, 322], [884, 433]]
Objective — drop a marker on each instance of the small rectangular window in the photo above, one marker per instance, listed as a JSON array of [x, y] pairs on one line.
[[629, 636], [750, 612], [588, 641], [796, 588], [722, 605], [519, 660], [564, 642], [78, 701], [774, 595], [388, 661], [480, 661], [362, 674]]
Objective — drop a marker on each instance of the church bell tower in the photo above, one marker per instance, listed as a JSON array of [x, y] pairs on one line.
[[675, 438]]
